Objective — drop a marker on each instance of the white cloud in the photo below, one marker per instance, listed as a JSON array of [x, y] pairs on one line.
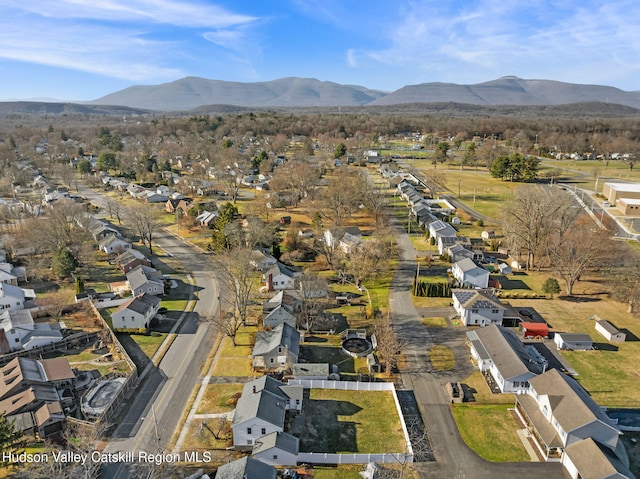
[[194, 14], [116, 38], [482, 39]]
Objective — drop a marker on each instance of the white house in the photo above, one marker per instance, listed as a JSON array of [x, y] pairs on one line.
[[18, 331], [280, 276], [468, 273], [261, 260], [13, 297], [136, 313], [560, 413], [582, 458], [276, 348], [477, 306], [111, 244], [261, 410], [573, 341], [144, 279], [440, 228], [277, 449], [500, 352]]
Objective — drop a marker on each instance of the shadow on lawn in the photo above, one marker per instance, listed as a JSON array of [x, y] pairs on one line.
[[321, 430]]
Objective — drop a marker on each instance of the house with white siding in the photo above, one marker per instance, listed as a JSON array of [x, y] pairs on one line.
[[468, 273], [499, 352], [477, 307], [560, 413], [262, 409]]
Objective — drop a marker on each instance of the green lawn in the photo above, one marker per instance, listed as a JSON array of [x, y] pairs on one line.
[[481, 392], [610, 372], [350, 421], [149, 344], [343, 471], [219, 398], [491, 432]]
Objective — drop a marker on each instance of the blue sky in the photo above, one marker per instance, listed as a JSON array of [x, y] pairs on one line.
[[84, 49]]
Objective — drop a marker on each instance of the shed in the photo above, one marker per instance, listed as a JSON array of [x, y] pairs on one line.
[[573, 341], [505, 269], [534, 330], [610, 332]]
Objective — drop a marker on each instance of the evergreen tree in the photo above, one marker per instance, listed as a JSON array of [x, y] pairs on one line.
[[63, 263], [551, 286], [10, 439]]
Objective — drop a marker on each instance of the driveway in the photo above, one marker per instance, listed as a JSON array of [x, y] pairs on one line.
[[453, 458]]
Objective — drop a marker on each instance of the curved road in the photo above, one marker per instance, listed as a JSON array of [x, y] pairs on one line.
[[162, 396], [454, 459]]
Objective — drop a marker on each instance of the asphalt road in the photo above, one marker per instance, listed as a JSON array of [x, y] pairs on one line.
[[453, 457], [156, 407]]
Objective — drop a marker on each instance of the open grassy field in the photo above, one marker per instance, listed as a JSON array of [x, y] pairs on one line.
[[349, 421], [149, 344], [490, 430], [611, 371]]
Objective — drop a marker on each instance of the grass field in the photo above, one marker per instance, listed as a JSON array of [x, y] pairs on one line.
[[482, 394], [609, 372], [490, 430], [350, 421]]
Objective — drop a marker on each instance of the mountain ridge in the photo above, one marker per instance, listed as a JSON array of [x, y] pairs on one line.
[[192, 92]]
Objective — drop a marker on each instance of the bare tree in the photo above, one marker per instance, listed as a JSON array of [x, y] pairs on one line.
[[344, 194], [575, 250], [313, 292], [142, 218], [236, 275], [531, 217], [115, 208], [389, 345], [626, 287]]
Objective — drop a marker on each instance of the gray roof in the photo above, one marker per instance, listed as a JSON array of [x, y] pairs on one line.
[[267, 402], [507, 351], [575, 337], [595, 461], [281, 335], [467, 264], [281, 440], [608, 327], [281, 268], [140, 275], [129, 256], [246, 468], [140, 304], [16, 319], [571, 405]]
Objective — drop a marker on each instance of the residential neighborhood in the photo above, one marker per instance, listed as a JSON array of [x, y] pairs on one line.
[[275, 310]]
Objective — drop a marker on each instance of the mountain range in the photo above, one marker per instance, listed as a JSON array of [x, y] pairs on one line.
[[193, 92]]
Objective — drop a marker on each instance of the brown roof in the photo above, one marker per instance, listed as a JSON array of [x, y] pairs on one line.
[[46, 411], [57, 369]]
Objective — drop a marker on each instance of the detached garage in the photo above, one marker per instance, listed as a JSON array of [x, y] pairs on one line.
[[573, 341]]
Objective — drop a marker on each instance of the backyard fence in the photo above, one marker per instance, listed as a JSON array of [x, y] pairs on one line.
[[328, 458]]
